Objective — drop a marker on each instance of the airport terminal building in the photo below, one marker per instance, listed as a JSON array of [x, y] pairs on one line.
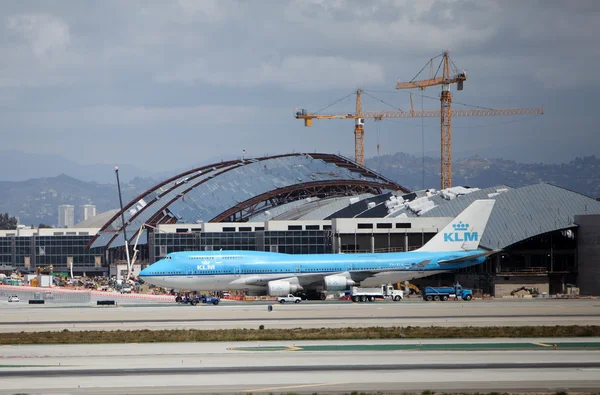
[[548, 237]]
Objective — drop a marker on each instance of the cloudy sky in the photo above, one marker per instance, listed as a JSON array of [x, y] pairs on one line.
[[163, 84]]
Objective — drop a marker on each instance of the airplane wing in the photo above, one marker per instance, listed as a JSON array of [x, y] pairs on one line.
[[308, 279], [467, 258], [304, 279]]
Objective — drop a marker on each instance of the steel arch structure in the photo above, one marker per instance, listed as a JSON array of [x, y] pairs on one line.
[[232, 191]]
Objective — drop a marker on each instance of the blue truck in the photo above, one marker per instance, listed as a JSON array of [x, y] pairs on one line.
[[193, 299], [445, 293]]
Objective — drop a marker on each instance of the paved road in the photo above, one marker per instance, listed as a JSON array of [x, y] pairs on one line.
[[261, 367], [23, 317]]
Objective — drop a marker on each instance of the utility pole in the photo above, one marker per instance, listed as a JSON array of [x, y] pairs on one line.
[[123, 224]]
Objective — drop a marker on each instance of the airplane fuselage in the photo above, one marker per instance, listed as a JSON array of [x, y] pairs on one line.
[[252, 270]]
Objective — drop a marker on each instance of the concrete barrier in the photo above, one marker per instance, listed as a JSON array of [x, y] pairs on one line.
[[106, 303]]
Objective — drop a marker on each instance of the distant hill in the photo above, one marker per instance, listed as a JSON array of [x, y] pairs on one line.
[[580, 175], [21, 166], [36, 200]]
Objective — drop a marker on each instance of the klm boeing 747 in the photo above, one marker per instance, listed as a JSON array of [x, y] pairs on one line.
[[455, 247]]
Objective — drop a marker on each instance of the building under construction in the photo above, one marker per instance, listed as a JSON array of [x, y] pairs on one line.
[[323, 203]]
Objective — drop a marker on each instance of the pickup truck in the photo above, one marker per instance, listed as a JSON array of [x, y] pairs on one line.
[[289, 299]]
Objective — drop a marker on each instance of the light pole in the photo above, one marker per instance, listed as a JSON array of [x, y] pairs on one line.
[[123, 224]]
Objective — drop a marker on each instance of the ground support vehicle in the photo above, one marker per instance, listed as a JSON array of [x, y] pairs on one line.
[[358, 294], [13, 298], [209, 299], [196, 299], [289, 299], [445, 293]]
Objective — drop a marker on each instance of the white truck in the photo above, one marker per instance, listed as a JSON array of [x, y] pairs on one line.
[[289, 299], [358, 294]]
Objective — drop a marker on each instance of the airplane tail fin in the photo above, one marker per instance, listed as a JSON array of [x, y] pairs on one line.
[[465, 231]]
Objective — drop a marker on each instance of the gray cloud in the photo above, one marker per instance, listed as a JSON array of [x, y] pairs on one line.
[[89, 80]]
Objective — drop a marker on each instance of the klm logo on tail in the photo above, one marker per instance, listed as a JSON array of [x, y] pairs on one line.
[[461, 234]]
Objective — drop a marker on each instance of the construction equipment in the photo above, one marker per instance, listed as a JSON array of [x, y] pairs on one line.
[[38, 281], [39, 270], [530, 290], [408, 288], [448, 77], [445, 114]]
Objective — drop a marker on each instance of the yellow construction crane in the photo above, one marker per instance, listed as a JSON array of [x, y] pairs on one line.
[[451, 75], [359, 116]]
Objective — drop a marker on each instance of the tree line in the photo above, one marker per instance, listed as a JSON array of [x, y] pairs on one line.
[[10, 223]]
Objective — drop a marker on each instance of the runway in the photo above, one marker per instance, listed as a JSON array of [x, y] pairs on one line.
[[304, 367], [521, 312]]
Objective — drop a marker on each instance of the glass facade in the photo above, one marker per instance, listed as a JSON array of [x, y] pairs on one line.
[[39, 251], [55, 250], [6, 250], [289, 242]]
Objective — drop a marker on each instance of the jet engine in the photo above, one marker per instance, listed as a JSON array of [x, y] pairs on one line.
[[282, 288], [337, 283]]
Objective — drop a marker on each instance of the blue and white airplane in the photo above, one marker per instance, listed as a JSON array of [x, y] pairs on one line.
[[455, 247]]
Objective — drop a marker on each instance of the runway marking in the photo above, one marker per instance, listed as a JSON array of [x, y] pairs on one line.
[[426, 347], [266, 348], [292, 386]]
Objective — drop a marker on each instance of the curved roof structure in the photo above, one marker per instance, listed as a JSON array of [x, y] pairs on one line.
[[97, 220], [519, 213], [234, 191]]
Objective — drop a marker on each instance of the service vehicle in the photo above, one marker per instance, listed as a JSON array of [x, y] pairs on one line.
[[193, 299], [289, 299], [13, 298], [209, 299], [445, 293], [358, 294]]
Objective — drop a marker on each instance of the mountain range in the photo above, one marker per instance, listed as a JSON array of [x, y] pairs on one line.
[[36, 200]]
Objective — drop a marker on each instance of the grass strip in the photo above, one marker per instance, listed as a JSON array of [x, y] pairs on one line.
[[229, 335]]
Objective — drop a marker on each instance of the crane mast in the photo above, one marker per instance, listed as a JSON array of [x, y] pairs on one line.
[[359, 133], [445, 112]]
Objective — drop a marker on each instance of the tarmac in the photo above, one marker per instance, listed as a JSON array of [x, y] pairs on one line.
[[19, 317], [391, 366]]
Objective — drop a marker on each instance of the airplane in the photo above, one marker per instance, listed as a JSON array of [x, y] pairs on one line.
[[278, 274]]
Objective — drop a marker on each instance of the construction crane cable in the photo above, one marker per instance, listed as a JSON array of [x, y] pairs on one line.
[[429, 97], [415, 77], [497, 124], [335, 102], [463, 127], [438, 69], [455, 68], [426, 64], [471, 105], [387, 104]]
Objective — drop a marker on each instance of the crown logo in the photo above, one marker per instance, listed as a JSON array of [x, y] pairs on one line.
[[460, 226]]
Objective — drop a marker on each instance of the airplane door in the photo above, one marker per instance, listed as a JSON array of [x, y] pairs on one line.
[[297, 269], [236, 270], [189, 272]]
